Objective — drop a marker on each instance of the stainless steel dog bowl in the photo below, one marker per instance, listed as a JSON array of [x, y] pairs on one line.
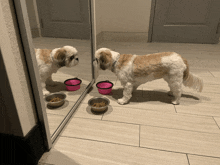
[[56, 104], [98, 100]]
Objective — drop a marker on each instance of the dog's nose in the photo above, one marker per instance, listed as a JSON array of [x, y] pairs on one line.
[[77, 59]]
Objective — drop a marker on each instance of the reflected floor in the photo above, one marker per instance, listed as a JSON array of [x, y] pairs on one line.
[[148, 130], [82, 71]]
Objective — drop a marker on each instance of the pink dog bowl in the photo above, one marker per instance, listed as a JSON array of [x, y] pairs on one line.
[[104, 87], [72, 84]]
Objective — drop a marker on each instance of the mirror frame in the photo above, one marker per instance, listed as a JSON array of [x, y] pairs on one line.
[[29, 53]]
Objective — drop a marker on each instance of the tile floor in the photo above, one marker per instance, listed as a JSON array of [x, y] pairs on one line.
[[149, 130]]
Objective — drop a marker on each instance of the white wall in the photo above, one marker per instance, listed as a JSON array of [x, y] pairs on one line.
[[122, 15]]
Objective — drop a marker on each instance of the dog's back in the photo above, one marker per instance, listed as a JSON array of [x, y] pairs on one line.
[[163, 65]]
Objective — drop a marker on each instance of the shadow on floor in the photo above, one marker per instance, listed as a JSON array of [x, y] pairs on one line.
[[62, 87], [141, 96], [57, 157]]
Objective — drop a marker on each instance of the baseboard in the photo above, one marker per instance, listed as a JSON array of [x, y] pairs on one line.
[[35, 32], [122, 37], [22, 150]]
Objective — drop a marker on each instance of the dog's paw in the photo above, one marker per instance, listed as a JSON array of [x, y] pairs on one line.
[[121, 101], [174, 102], [45, 93]]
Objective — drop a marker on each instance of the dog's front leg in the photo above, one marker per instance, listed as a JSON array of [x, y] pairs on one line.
[[45, 91], [50, 82], [127, 93]]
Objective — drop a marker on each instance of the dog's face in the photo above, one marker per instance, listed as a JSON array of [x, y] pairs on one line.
[[66, 56], [105, 58]]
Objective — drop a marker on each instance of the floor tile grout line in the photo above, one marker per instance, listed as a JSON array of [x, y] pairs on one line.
[[137, 124], [180, 152], [216, 122], [162, 127], [196, 114], [100, 141], [139, 135], [188, 159], [175, 108], [108, 121], [77, 117], [155, 149], [211, 73]]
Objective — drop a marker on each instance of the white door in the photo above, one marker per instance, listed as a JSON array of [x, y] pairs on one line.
[[64, 18], [189, 21]]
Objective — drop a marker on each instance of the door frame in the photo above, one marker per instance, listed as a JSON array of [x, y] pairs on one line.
[[29, 54], [152, 13]]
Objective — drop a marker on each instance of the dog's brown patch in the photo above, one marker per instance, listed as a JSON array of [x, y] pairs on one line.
[[124, 60], [150, 64], [60, 54], [106, 57], [45, 55]]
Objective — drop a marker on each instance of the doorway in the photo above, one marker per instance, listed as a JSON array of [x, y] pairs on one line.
[[185, 21]]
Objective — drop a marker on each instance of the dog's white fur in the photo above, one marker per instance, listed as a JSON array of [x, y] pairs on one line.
[[49, 61], [134, 70]]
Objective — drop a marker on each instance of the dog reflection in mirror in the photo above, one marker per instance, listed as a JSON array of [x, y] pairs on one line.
[[49, 61], [134, 70]]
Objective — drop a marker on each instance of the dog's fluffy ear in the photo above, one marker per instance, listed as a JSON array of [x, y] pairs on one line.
[[105, 57], [60, 54]]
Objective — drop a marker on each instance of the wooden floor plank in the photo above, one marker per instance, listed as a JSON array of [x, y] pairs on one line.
[[103, 131], [180, 141], [202, 160], [71, 151]]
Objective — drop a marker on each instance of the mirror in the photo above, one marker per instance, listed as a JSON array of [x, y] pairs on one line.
[[55, 24]]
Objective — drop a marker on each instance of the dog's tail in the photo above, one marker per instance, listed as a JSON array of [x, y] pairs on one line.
[[190, 80]]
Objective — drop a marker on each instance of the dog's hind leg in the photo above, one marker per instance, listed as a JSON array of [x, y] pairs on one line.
[[170, 93], [175, 83], [127, 93], [135, 87]]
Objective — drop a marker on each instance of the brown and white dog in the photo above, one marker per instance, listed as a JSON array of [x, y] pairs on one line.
[[49, 61], [134, 70]]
